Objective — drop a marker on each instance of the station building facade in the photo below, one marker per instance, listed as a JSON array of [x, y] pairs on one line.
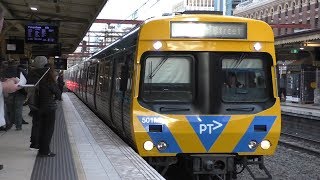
[[281, 12], [297, 46]]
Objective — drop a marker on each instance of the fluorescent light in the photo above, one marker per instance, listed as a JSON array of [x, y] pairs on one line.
[[34, 7]]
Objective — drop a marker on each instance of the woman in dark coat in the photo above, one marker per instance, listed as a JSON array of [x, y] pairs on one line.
[[47, 93]]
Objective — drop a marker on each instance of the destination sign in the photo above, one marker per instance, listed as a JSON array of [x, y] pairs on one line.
[[41, 34], [209, 30]]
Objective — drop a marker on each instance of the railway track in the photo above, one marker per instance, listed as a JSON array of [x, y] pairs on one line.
[[299, 143]]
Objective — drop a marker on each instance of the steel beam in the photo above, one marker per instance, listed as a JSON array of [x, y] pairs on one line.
[[305, 26], [117, 21]]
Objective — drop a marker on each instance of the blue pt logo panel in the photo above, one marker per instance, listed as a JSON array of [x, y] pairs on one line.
[[165, 135], [208, 128], [258, 136]]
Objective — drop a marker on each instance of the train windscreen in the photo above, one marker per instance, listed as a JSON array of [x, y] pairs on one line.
[[167, 78], [244, 80]]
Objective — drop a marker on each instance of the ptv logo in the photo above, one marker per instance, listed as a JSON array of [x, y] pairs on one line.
[[203, 128], [208, 128]]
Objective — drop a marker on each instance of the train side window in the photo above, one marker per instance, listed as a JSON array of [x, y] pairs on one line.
[[100, 84]]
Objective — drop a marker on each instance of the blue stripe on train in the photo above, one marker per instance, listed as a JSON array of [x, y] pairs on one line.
[[165, 135], [258, 136], [208, 128]]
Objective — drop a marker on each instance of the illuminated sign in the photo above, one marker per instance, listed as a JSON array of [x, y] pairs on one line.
[[41, 34], [220, 30]]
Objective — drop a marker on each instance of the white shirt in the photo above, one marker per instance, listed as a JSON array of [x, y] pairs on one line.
[[2, 120]]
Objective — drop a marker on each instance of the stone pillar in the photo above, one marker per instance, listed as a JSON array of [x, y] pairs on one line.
[[317, 89]]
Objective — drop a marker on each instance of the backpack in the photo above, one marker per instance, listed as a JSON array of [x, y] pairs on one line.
[[33, 98]]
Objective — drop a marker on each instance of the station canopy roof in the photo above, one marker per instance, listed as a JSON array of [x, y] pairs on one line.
[[73, 18]]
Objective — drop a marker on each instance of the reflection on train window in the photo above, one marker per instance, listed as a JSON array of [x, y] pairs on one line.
[[244, 80], [167, 79], [91, 78]]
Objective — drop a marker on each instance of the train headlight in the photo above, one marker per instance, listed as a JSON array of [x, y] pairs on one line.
[[157, 45], [148, 145], [161, 146], [257, 46], [265, 144], [252, 144]]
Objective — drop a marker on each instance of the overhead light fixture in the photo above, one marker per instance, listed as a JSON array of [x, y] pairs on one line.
[[312, 44], [34, 7], [301, 48]]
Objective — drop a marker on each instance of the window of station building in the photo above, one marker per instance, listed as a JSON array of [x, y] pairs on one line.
[[316, 5], [300, 6], [279, 11], [286, 7], [308, 5], [272, 14], [293, 7]]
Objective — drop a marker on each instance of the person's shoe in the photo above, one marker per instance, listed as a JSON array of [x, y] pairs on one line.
[[34, 147], [2, 128], [50, 154], [24, 122], [1, 166], [18, 128], [8, 127]]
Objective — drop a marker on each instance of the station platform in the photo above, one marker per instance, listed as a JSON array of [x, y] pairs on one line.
[[86, 149], [311, 111]]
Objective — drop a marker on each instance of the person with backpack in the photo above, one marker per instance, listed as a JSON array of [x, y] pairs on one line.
[[43, 102]]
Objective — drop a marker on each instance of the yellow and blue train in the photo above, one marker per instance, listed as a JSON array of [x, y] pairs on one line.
[[195, 91]]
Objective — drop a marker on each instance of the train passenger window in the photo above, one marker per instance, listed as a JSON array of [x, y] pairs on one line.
[[244, 80], [167, 79]]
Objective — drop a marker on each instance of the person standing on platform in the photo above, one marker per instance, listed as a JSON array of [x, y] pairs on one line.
[[47, 92], [15, 100], [60, 82], [282, 88], [8, 86]]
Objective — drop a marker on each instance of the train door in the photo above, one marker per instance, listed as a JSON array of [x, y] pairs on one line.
[[126, 87], [85, 80], [109, 86], [117, 95]]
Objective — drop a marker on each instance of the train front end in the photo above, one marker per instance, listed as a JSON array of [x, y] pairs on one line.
[[205, 94]]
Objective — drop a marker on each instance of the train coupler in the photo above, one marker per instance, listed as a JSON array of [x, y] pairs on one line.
[[260, 163], [217, 166]]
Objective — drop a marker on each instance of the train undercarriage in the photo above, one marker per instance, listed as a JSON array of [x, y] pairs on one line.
[[209, 166]]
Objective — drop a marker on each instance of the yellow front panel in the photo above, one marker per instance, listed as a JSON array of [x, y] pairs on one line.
[[231, 134]]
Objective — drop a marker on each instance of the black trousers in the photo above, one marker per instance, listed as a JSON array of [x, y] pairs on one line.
[[46, 127], [34, 139], [282, 91]]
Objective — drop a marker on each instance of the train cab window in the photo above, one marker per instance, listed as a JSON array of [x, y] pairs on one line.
[[244, 80], [167, 79]]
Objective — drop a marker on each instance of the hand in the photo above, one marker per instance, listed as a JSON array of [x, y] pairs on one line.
[[10, 85]]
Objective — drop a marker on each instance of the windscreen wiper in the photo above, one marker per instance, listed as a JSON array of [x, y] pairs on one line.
[[170, 109], [154, 72], [246, 109]]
